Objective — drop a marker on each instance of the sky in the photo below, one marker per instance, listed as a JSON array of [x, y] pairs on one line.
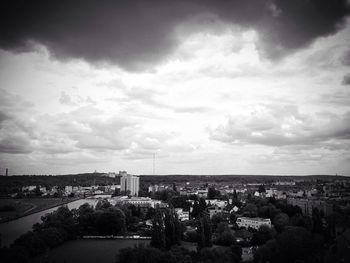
[[207, 87]]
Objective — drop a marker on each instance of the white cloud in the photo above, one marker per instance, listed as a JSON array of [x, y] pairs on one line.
[[215, 106]]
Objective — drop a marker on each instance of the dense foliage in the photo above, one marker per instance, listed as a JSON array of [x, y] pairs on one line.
[[63, 225]]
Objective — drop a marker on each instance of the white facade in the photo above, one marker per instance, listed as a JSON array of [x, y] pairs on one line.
[[136, 201], [253, 222], [216, 202], [153, 188], [130, 183], [68, 189], [28, 188], [182, 215]]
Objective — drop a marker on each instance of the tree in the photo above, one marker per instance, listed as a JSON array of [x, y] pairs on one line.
[[172, 229], [37, 191], [110, 221], [198, 207], [52, 237], [302, 221], [294, 244], [317, 225], [233, 218], [167, 229], [204, 231], [250, 210], [62, 219], [31, 242], [261, 189], [225, 238], [202, 205], [218, 218], [103, 204], [263, 234], [158, 235], [280, 221], [180, 202], [213, 193], [268, 211], [150, 213], [235, 196], [195, 209], [86, 218]]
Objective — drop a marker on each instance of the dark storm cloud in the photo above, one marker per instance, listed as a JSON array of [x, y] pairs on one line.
[[136, 34]]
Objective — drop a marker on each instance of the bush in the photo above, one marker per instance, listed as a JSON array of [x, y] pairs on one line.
[[225, 239], [31, 242], [52, 236]]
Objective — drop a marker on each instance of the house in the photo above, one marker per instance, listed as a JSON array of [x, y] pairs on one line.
[[182, 215], [215, 210]]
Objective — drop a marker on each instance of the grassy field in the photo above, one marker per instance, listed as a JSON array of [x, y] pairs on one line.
[[20, 207], [87, 251]]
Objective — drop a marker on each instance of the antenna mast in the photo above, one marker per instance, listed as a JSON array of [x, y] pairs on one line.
[[154, 164]]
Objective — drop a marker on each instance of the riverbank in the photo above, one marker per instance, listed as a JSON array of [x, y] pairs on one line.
[[27, 206], [11, 230]]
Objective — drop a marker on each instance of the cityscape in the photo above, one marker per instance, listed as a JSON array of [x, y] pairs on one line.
[[237, 217], [187, 131]]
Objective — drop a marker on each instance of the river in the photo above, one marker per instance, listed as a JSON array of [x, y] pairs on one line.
[[13, 229]]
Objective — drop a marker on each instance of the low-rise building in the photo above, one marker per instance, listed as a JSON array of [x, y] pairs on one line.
[[202, 193], [212, 210], [253, 222], [219, 203], [137, 201], [68, 189]]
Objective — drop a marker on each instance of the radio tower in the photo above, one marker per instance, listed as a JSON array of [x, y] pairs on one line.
[[154, 164]]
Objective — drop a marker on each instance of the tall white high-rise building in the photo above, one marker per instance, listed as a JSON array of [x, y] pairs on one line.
[[130, 183]]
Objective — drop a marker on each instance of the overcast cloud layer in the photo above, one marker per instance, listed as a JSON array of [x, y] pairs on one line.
[[210, 87]]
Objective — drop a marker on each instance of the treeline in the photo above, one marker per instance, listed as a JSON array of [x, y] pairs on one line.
[[166, 246], [260, 179], [14, 184]]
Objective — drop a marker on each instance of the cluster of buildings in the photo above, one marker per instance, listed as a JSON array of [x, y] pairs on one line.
[[308, 205], [129, 185], [306, 196]]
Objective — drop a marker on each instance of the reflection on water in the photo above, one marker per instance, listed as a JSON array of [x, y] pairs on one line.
[[13, 229]]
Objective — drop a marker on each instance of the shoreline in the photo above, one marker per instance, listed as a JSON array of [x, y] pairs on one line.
[[40, 210]]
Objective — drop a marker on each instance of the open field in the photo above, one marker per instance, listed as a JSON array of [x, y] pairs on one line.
[[15, 208], [88, 251]]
